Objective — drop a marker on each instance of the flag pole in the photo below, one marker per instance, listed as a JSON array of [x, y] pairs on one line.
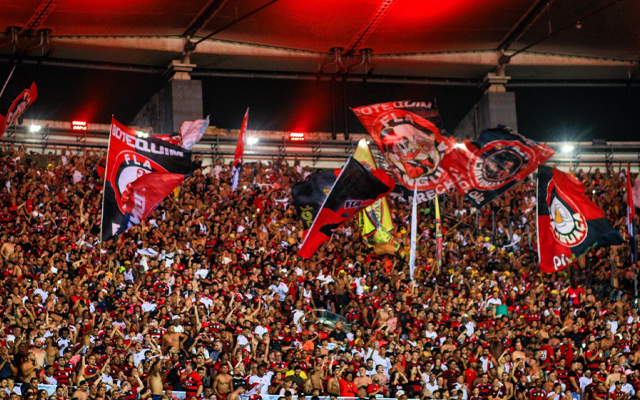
[[414, 230], [613, 289], [8, 79], [631, 230], [493, 222], [104, 182], [438, 237]]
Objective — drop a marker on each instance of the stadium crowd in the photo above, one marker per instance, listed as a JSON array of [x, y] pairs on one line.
[[208, 297]]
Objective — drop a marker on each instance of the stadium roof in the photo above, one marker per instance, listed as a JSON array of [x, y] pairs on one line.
[[464, 39]]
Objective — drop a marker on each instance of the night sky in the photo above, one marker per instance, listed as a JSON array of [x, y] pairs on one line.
[[544, 114]]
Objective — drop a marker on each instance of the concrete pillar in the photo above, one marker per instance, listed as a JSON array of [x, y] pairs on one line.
[[497, 107], [180, 100]]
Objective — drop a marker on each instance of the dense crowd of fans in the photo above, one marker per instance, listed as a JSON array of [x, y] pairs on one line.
[[208, 297]]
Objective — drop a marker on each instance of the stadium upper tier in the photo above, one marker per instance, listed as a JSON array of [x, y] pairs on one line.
[[317, 149]]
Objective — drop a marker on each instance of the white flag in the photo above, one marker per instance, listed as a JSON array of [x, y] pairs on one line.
[[192, 131]]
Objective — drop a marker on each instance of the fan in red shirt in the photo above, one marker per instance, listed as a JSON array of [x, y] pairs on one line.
[[191, 381]]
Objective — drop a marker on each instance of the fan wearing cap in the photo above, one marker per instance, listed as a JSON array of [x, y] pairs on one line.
[[401, 395], [624, 386]]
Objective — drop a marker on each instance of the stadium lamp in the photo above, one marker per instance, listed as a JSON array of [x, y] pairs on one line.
[[459, 146], [79, 125], [33, 128], [567, 148], [252, 140]]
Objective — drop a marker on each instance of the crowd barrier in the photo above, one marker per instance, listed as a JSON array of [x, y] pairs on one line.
[[51, 389]]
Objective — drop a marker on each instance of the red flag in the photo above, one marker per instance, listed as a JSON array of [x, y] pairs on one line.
[[493, 163], [407, 135], [130, 157], [354, 189], [238, 159], [569, 224], [16, 96], [143, 195]]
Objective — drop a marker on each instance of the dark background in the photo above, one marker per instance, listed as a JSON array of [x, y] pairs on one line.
[[544, 114]]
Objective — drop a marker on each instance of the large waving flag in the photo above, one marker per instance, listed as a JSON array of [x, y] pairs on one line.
[[496, 161], [140, 171], [407, 134], [375, 222], [354, 188], [239, 157], [16, 95], [192, 131], [309, 195], [569, 224], [631, 215]]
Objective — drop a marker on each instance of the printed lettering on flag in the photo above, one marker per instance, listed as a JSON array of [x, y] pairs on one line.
[[569, 224], [407, 134], [354, 189], [130, 157], [375, 223], [496, 161]]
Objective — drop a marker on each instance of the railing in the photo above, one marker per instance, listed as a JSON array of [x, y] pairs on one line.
[[317, 151], [330, 318], [51, 390]]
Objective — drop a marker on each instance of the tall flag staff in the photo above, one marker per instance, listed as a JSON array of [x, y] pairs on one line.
[[631, 229], [631, 214], [330, 204], [414, 232], [238, 159], [438, 237], [140, 171]]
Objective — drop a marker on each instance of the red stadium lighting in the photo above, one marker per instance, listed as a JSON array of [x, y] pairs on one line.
[[296, 136], [79, 125]]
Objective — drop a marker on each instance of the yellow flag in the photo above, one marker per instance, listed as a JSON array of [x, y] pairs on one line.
[[375, 222]]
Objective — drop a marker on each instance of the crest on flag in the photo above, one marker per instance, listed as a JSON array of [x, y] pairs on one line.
[[492, 164], [407, 134], [569, 224], [140, 171], [354, 188]]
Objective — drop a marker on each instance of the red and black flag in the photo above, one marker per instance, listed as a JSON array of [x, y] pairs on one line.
[[353, 189], [407, 134], [569, 224], [140, 171], [16, 95], [496, 161]]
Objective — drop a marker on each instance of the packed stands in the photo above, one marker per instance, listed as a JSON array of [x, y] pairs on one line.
[[207, 297]]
